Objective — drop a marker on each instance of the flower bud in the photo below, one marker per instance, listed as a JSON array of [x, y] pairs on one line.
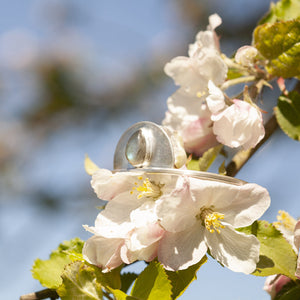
[[246, 56]]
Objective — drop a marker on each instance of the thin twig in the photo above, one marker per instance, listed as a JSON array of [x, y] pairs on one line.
[[106, 294], [43, 294], [242, 156]]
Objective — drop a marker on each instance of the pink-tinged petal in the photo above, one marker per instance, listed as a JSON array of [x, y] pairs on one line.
[[269, 285], [177, 211], [198, 136], [242, 205], [239, 125], [103, 252], [237, 251], [178, 251], [144, 236], [142, 243], [147, 253], [107, 185], [275, 283], [190, 117]]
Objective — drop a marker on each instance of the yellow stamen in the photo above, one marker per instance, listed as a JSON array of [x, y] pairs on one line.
[[285, 220], [211, 219], [148, 189], [212, 222], [200, 94]]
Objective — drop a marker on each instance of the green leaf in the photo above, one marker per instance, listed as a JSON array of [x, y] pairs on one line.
[[120, 295], [283, 10], [152, 283], [279, 43], [126, 280], [180, 280], [81, 281], [193, 164], [112, 279], [222, 169], [208, 157], [234, 73], [288, 114], [48, 271], [276, 254]]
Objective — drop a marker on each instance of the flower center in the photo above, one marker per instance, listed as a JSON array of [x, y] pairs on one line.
[[285, 220], [147, 189], [211, 219]]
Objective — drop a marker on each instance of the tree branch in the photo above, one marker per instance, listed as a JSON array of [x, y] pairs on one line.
[[242, 156], [43, 294]]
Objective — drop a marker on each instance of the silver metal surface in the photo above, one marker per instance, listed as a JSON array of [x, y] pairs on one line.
[[144, 144], [190, 173], [146, 148]]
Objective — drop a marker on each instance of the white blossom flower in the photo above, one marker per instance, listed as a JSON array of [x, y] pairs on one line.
[[201, 215], [127, 229], [191, 119], [175, 218], [246, 56], [203, 63], [239, 124], [193, 73], [187, 113]]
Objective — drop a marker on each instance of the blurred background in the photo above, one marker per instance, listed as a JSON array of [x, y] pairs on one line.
[[73, 76]]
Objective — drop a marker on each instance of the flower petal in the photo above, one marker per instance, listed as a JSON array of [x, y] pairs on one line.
[[237, 251], [147, 253], [185, 73], [107, 185], [214, 21], [144, 215], [178, 251], [177, 211], [215, 101], [142, 243], [239, 125], [198, 136], [241, 205], [103, 252]]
